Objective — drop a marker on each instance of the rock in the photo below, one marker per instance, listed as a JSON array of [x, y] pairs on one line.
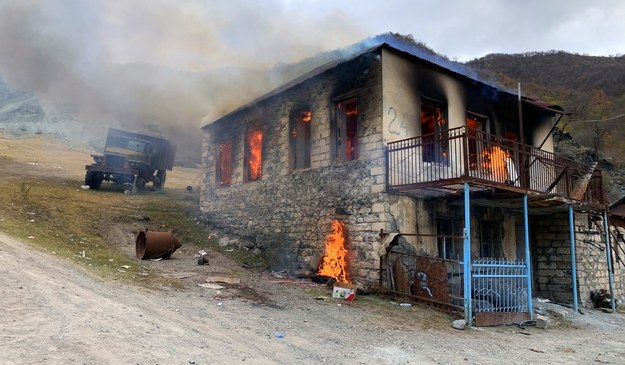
[[247, 244], [558, 313], [543, 322], [257, 251], [459, 324], [224, 242]]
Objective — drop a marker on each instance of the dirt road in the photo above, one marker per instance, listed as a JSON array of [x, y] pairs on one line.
[[54, 312]]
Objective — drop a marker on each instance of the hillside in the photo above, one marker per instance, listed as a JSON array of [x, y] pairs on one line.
[[590, 88]]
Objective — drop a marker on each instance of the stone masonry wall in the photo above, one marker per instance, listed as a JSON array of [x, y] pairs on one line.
[[289, 213], [552, 259]]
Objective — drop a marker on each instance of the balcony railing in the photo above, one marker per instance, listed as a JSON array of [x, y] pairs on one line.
[[466, 155]]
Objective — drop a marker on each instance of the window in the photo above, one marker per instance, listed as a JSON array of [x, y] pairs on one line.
[[490, 239], [138, 146], [299, 139], [446, 244], [224, 163], [475, 126], [434, 132], [253, 154], [347, 130]]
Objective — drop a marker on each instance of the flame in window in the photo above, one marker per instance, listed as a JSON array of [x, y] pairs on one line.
[[306, 116], [255, 145], [334, 262]]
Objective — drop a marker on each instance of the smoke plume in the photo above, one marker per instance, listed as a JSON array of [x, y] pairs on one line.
[[157, 65]]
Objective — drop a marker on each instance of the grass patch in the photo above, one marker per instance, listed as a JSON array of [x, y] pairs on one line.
[[57, 216]]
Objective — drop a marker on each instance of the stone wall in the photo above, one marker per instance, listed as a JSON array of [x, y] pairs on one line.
[[552, 259], [288, 213]]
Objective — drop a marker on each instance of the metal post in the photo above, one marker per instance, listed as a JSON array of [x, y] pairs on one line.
[[608, 250], [573, 260], [468, 304], [528, 262]]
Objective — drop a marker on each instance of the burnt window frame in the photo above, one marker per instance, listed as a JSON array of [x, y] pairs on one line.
[[341, 128], [435, 146], [300, 148], [247, 150], [476, 138], [219, 172]]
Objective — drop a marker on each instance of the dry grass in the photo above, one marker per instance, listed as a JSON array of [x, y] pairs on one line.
[[43, 204]]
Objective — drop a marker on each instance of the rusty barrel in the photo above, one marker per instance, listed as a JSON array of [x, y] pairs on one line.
[[155, 245]]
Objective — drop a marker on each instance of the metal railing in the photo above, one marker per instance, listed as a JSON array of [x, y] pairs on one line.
[[466, 155], [500, 285]]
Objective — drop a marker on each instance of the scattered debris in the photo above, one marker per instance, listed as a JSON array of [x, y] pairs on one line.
[[202, 257], [405, 305], [279, 335], [223, 279], [180, 275], [537, 350], [189, 189], [344, 291], [601, 299], [125, 266], [211, 286], [85, 187], [458, 324]]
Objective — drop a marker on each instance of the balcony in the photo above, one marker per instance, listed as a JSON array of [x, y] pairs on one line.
[[440, 164]]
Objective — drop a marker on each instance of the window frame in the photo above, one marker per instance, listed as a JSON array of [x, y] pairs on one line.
[[341, 128], [300, 148], [219, 166], [247, 152], [435, 145]]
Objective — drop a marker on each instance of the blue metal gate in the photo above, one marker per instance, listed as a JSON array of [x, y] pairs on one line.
[[500, 291]]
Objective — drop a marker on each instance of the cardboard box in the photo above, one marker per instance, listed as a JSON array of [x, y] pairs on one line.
[[344, 291]]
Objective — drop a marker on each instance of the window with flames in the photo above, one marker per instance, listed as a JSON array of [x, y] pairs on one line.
[[254, 154]]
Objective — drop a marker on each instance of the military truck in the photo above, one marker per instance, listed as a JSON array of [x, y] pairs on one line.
[[131, 159]]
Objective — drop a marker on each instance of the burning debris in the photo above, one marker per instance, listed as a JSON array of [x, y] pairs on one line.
[[334, 262], [496, 161]]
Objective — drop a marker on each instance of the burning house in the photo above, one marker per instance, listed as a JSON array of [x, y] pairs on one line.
[[391, 168]]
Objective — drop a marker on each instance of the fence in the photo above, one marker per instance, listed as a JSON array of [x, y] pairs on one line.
[[431, 280]]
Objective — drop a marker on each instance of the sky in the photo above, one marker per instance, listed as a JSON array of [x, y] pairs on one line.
[[68, 51], [198, 35]]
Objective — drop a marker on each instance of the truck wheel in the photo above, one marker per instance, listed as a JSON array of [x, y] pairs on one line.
[[140, 183], [161, 175], [94, 179]]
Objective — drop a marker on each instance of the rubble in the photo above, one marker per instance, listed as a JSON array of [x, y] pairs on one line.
[[543, 322]]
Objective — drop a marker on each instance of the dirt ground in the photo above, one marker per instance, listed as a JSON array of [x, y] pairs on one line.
[[56, 312]]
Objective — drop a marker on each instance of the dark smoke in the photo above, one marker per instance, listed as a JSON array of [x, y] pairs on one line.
[[155, 65]]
